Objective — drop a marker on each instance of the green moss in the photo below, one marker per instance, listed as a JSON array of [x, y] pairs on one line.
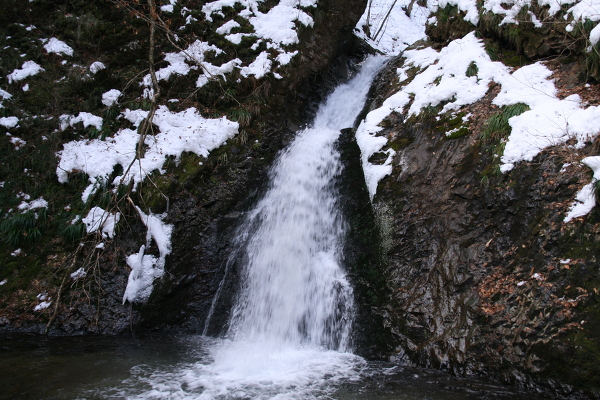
[[462, 131], [19, 275], [400, 143]]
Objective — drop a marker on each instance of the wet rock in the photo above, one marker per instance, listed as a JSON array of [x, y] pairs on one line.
[[477, 271]]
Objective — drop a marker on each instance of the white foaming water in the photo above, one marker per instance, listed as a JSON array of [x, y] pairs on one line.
[[290, 329]]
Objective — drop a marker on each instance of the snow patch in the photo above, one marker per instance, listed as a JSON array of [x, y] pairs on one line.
[[443, 79], [85, 118], [396, 32], [80, 273], [9, 122], [110, 98], [146, 268], [59, 47], [585, 200], [99, 219], [178, 132], [28, 69], [259, 67], [227, 27], [17, 142], [96, 66], [276, 27], [42, 306], [32, 205]]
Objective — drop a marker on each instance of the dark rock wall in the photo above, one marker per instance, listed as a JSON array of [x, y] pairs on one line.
[[205, 200], [484, 277]]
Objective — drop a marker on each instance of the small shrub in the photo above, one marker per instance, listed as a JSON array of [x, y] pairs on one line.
[[472, 69], [497, 125], [22, 228], [242, 116], [73, 232]]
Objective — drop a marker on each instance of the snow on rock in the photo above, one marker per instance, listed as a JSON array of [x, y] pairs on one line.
[[468, 6], [80, 273], [370, 144], [17, 142], [276, 27], [110, 98], [193, 58], [178, 132], [9, 122], [32, 205], [44, 302], [278, 24], [146, 268], [580, 11], [595, 35], [96, 66], [550, 121], [4, 95], [259, 67], [211, 71], [99, 219], [398, 31], [59, 47], [158, 231], [585, 200], [29, 68], [443, 79], [42, 306], [85, 118]]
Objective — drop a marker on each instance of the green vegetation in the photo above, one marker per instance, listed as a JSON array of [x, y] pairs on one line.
[[493, 137], [472, 69], [22, 228], [497, 126]]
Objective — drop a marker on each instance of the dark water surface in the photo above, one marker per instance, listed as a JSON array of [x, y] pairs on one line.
[[33, 367]]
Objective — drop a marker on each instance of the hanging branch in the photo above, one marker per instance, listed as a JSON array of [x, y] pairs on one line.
[[409, 9], [384, 20], [367, 26]]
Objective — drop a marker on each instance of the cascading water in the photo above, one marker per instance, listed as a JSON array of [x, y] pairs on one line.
[[294, 291], [290, 328]]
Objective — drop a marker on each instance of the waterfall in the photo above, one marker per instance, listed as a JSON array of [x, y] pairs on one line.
[[289, 333], [294, 291]]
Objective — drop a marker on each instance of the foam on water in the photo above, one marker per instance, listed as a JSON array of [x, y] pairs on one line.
[[289, 335]]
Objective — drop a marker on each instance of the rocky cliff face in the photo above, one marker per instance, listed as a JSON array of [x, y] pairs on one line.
[[201, 196], [484, 277]]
